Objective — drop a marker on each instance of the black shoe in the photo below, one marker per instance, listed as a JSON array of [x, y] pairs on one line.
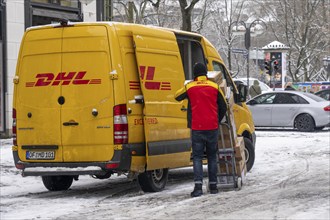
[[213, 189], [197, 191]]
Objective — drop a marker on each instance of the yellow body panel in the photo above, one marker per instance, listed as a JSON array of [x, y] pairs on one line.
[[38, 49], [93, 134], [169, 161], [243, 119], [138, 164]]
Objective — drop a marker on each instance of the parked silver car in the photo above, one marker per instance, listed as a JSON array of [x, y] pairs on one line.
[[304, 111]]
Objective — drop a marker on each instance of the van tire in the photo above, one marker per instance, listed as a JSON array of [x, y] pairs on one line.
[[154, 180], [57, 183], [249, 153]]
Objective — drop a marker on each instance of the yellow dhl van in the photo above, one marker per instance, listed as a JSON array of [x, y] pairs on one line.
[[98, 99]]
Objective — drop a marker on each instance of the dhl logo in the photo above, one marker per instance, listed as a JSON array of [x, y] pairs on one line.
[[62, 78], [147, 79]]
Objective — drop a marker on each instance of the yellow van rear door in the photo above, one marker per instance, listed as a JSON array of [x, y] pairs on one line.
[[36, 97], [86, 115], [161, 75]]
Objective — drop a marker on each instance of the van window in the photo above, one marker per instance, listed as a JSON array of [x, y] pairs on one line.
[[219, 67], [225, 75], [191, 52]]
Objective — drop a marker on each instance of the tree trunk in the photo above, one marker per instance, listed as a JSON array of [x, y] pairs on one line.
[[186, 13], [130, 14]]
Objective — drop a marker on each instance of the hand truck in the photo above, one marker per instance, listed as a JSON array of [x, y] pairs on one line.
[[227, 173], [227, 177]]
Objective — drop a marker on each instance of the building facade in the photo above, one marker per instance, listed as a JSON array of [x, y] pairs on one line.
[[15, 17]]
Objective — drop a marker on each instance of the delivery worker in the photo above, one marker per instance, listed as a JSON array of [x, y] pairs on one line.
[[206, 108]]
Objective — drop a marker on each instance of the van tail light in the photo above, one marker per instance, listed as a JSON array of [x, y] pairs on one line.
[[111, 165], [19, 166], [14, 128], [327, 108], [120, 124]]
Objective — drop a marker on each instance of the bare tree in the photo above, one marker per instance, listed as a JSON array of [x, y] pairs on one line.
[[199, 23], [134, 11], [224, 15], [167, 14], [303, 26]]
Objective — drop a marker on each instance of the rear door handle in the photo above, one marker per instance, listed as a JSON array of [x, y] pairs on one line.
[[184, 109], [70, 123]]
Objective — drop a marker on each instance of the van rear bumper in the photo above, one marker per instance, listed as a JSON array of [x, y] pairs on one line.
[[121, 162], [67, 169]]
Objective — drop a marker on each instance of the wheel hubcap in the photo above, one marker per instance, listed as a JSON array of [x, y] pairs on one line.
[[247, 155], [157, 175], [303, 123]]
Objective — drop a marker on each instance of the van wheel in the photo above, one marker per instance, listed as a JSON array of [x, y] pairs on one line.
[[57, 183], [249, 154], [104, 176], [154, 180]]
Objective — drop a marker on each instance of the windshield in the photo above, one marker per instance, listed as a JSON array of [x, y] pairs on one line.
[[263, 86]]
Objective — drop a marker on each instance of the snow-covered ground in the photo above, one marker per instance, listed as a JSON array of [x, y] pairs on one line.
[[290, 180]]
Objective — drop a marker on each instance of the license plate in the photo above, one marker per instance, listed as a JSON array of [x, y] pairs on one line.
[[40, 155]]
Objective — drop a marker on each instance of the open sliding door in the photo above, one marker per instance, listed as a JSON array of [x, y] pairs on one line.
[[161, 75]]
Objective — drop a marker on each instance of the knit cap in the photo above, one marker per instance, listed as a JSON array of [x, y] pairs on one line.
[[199, 70]]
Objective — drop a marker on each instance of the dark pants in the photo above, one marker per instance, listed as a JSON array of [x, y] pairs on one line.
[[205, 139]]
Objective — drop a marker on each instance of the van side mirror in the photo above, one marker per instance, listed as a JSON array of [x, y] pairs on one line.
[[242, 93]]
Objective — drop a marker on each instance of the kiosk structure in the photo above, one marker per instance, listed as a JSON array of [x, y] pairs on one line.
[[276, 51]]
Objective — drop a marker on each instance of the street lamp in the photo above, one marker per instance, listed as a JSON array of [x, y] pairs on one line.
[[247, 29], [230, 41]]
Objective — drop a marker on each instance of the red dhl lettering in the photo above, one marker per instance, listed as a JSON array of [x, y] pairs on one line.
[[147, 75], [152, 120], [62, 78], [148, 121], [138, 121]]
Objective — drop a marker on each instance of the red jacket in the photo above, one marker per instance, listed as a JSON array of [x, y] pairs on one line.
[[207, 105]]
